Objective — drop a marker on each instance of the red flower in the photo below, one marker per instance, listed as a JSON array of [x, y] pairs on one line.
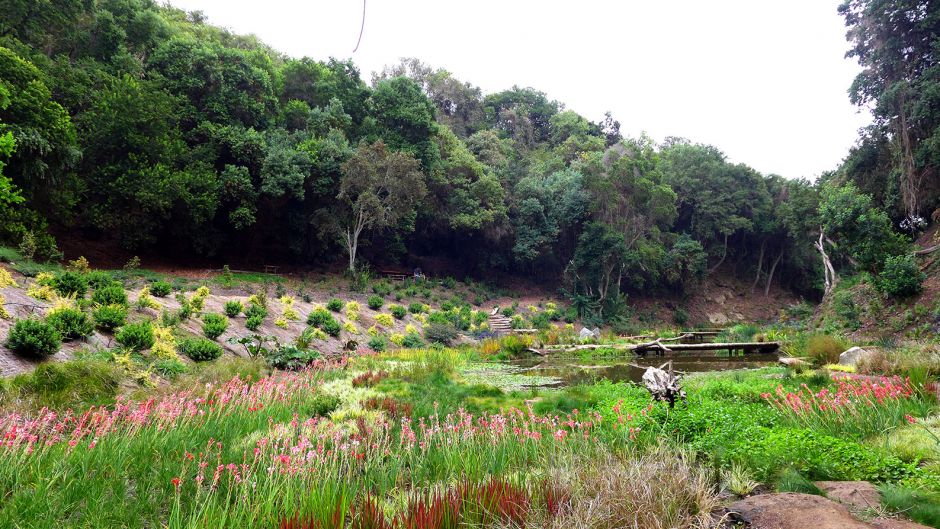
[[176, 483]]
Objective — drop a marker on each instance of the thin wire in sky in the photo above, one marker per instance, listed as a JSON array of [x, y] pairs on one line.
[[362, 27]]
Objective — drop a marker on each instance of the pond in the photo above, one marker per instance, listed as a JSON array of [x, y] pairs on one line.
[[566, 371]]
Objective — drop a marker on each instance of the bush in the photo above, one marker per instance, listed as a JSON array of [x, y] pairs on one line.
[[256, 310], [382, 288], [110, 294], [161, 289], [514, 345], [398, 311], [69, 283], [136, 336], [318, 317], [34, 337], [98, 278], [76, 384], [900, 277], [376, 302], [378, 344], [331, 327], [254, 322], [412, 340], [416, 308], [291, 358], [70, 322], [170, 367], [200, 349], [680, 316], [110, 317], [825, 349], [213, 325], [233, 308], [334, 305], [442, 333]]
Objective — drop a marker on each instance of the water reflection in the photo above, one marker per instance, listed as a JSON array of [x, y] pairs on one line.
[[572, 370]]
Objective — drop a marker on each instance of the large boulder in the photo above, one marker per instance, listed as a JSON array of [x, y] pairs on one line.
[[851, 357], [792, 510]]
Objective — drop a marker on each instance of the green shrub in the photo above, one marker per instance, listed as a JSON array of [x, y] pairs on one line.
[[375, 302], [334, 305], [255, 310], [233, 308], [71, 323], [449, 282], [318, 317], [416, 308], [398, 311], [70, 283], [252, 323], [291, 358], [825, 349], [200, 349], [412, 340], [110, 294], [843, 304], [541, 321], [442, 333], [136, 336], [514, 345], [378, 344], [438, 317], [382, 288], [213, 325], [98, 278], [161, 289], [34, 337], [331, 327], [680, 316], [322, 405], [900, 277], [110, 317]]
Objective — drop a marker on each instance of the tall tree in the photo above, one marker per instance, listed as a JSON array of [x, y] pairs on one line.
[[379, 189]]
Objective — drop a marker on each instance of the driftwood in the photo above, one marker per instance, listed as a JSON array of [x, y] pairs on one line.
[[663, 385]]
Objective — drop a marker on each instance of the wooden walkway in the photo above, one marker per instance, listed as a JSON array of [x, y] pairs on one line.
[[731, 347]]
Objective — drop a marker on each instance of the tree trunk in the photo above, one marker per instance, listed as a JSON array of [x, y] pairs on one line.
[[831, 278], [770, 275], [760, 265], [724, 253]]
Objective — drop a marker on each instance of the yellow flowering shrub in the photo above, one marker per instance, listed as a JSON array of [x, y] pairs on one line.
[[423, 318], [145, 300], [6, 278], [80, 265], [198, 300], [384, 319], [350, 327], [352, 315], [318, 334], [45, 278], [397, 339], [3, 312], [533, 308], [164, 343], [551, 305], [281, 322], [258, 299], [287, 301], [373, 331], [410, 329], [41, 292], [353, 306]]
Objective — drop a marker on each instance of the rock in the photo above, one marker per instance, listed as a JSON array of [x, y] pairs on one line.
[[792, 361], [850, 357], [717, 318], [856, 495], [719, 299], [791, 510], [588, 333]]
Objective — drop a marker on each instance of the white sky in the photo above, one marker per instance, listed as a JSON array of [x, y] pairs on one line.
[[763, 81]]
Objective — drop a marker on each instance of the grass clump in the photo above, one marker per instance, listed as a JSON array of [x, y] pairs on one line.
[[790, 480], [76, 384], [825, 349], [920, 506], [334, 305]]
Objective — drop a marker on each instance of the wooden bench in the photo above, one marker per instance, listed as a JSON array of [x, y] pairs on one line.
[[271, 269], [394, 275]]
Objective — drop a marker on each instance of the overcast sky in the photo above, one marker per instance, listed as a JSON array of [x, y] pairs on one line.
[[764, 81]]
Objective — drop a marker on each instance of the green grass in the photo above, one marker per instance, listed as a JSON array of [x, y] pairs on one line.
[[790, 480], [922, 507], [59, 385]]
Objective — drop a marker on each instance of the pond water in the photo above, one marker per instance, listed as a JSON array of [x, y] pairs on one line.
[[566, 371]]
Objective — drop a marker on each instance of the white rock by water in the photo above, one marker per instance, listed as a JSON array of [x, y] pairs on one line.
[[851, 356]]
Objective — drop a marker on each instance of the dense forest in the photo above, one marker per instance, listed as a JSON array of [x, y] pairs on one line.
[[139, 124]]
